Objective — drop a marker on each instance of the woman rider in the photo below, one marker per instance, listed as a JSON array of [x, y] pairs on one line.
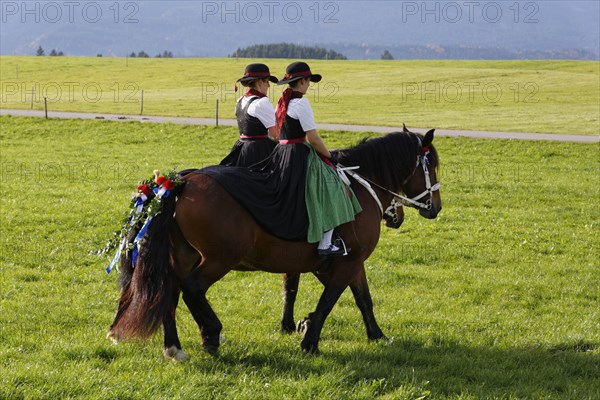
[[255, 117], [329, 203]]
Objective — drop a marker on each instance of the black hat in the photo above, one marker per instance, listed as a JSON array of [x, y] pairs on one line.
[[298, 70], [257, 71]]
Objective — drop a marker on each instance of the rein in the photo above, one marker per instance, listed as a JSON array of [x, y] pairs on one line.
[[391, 210]]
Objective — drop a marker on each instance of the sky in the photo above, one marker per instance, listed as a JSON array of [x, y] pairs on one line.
[[217, 28]]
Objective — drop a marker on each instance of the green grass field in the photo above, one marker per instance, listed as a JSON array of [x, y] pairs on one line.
[[513, 96], [495, 299]]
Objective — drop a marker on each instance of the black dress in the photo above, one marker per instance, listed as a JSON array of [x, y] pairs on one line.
[[254, 144], [273, 190]]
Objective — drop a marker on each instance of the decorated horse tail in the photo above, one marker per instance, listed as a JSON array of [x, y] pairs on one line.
[[126, 269], [148, 281]]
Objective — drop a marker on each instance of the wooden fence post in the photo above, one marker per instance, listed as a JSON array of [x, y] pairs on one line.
[[142, 102]]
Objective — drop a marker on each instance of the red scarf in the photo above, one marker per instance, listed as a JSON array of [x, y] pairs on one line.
[[254, 92], [284, 101]]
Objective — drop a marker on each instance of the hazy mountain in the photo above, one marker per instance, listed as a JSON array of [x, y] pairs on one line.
[[358, 29]]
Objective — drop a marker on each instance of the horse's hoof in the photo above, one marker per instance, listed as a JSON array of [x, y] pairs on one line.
[[288, 327], [377, 336], [114, 337], [310, 348], [173, 353], [212, 350]]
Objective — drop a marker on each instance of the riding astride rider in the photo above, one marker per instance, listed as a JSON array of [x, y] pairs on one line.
[[255, 117]]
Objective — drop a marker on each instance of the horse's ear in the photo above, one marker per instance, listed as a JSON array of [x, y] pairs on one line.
[[428, 138], [404, 128]]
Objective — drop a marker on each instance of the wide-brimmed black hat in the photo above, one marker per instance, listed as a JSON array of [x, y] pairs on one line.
[[257, 71], [298, 70]]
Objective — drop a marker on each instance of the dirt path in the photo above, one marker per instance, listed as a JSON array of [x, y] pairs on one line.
[[337, 127]]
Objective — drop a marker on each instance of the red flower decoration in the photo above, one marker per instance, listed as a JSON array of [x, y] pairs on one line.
[[145, 189], [160, 180], [168, 184], [424, 150]]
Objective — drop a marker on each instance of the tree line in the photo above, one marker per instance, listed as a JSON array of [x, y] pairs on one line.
[[53, 52], [142, 54], [287, 50], [277, 50]]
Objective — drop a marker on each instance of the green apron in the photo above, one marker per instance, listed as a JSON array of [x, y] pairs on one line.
[[329, 202]]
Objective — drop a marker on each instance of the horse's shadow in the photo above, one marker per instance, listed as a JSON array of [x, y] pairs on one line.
[[448, 368]]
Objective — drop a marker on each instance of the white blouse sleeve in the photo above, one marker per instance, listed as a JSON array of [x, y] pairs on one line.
[[263, 110], [302, 111]]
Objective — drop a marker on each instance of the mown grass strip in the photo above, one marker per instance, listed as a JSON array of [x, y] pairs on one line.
[[506, 96]]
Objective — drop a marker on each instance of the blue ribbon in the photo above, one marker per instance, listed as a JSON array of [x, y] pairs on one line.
[[139, 237], [114, 261], [165, 195], [138, 202]]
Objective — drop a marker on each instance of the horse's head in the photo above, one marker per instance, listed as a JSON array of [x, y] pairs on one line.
[[399, 161], [422, 186]]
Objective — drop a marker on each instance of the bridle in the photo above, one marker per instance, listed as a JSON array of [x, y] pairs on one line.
[[429, 189], [398, 200]]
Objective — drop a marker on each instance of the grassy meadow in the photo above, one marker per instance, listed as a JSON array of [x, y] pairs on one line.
[[508, 96], [495, 299]]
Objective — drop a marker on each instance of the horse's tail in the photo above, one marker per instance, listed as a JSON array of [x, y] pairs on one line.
[[148, 287], [125, 276]]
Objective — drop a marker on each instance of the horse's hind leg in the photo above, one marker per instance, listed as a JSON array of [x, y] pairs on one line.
[[172, 346], [290, 290], [194, 296], [184, 259], [362, 296]]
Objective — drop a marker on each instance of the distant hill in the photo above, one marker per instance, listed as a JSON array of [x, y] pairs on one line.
[[462, 52], [358, 29]]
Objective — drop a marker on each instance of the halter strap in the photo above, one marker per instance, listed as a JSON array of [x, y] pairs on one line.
[[394, 205], [342, 171], [429, 189]]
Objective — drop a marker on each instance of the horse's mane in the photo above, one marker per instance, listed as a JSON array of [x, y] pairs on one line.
[[388, 160]]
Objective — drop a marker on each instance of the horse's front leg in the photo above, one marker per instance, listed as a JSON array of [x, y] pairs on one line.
[[362, 297], [313, 323], [172, 347], [290, 290]]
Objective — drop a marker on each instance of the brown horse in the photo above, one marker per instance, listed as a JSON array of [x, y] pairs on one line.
[[203, 233]]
